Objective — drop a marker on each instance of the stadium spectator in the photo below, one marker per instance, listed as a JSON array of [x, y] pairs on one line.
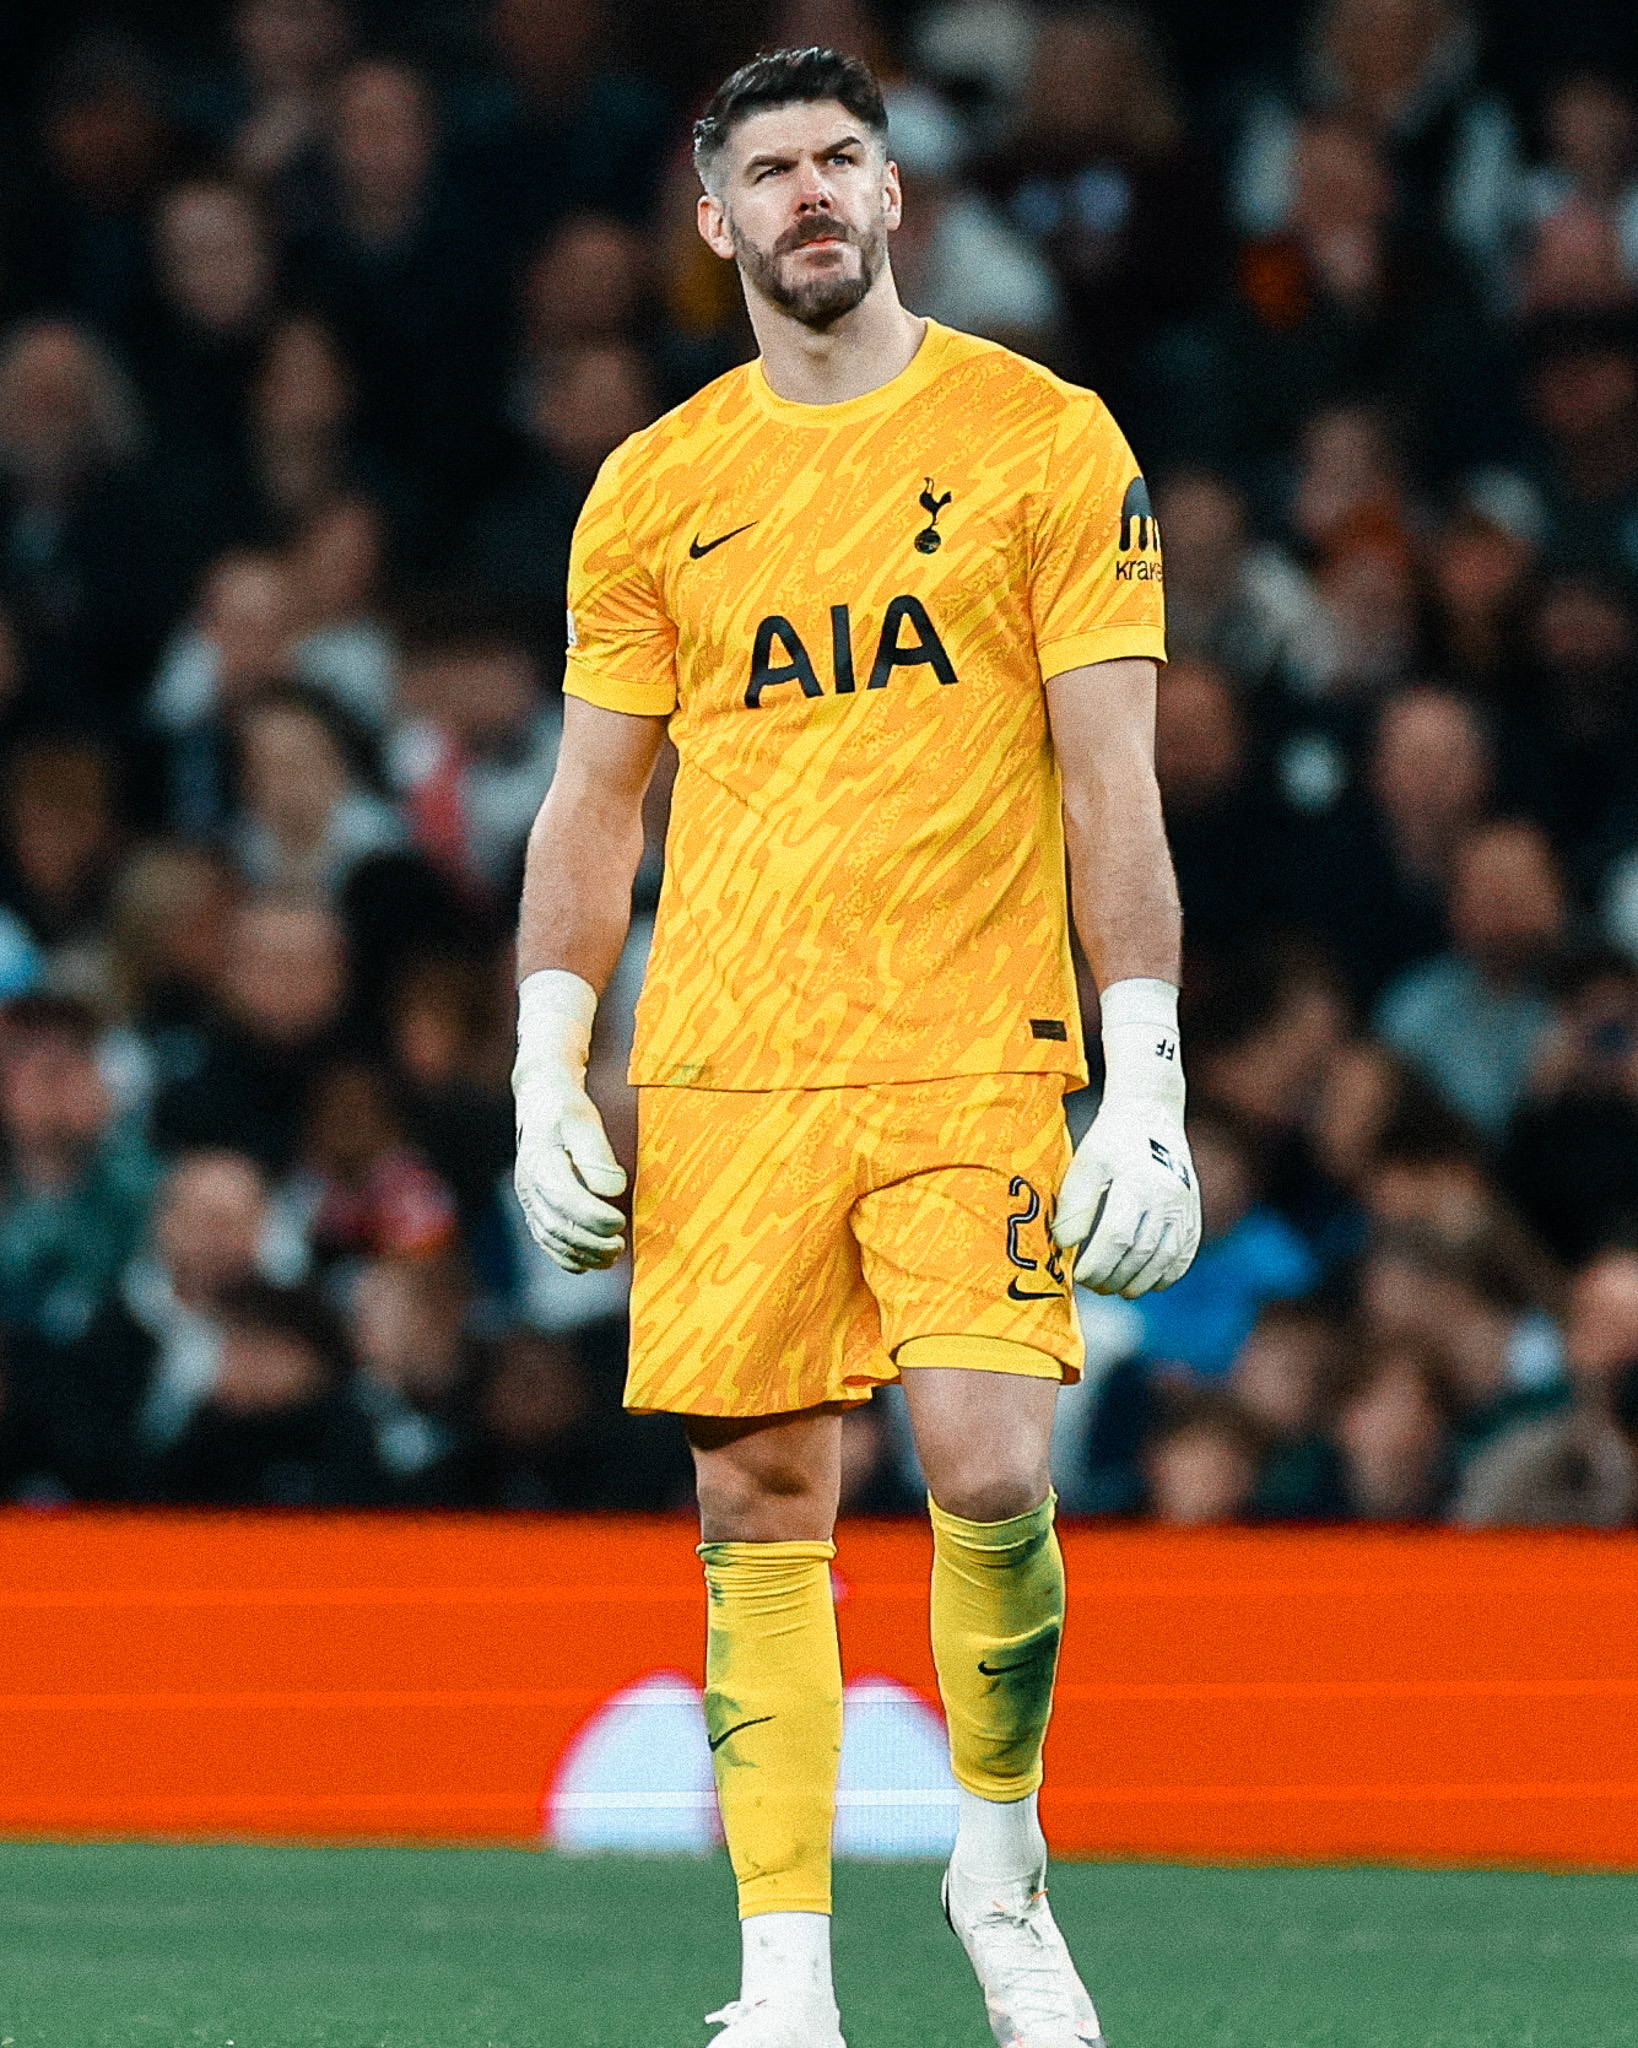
[[1221, 832], [269, 110], [236, 644], [578, 403], [1582, 399], [1570, 729], [97, 546], [303, 447], [1577, 1467], [365, 1192], [104, 146], [451, 1045], [1231, 598], [336, 561], [1473, 1019], [78, 1178], [1336, 296], [129, 1387], [1374, 875], [280, 1426], [310, 810], [1479, 577], [417, 1367], [217, 279], [1202, 1461], [476, 748], [278, 1002], [403, 268], [1499, 1362], [1285, 1377], [1400, 72], [549, 1433], [1577, 242], [1393, 1430], [957, 258], [563, 128], [1101, 172], [1570, 1163], [60, 840], [169, 914]]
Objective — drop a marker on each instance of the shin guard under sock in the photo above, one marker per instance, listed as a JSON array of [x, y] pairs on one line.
[[998, 1613], [773, 1709]]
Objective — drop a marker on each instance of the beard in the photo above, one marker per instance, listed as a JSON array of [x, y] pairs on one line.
[[817, 301]]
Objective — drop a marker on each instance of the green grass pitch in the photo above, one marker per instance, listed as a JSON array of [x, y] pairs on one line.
[[168, 1946]]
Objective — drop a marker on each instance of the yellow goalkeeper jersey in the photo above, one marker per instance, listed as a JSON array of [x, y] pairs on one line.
[[847, 613]]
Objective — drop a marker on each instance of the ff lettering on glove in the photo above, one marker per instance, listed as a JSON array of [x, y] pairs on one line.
[[565, 1162], [1130, 1198]]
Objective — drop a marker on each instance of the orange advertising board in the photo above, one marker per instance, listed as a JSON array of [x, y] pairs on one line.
[[1396, 1695]]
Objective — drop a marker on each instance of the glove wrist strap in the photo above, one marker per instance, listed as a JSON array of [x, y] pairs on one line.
[[1142, 1055], [556, 1010]]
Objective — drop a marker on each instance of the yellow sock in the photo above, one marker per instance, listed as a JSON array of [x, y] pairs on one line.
[[998, 1616], [773, 1709]]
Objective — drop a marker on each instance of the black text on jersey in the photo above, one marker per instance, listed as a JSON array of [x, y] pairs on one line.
[[777, 637]]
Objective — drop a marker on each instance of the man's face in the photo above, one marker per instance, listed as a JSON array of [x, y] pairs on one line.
[[51, 1093], [804, 204]]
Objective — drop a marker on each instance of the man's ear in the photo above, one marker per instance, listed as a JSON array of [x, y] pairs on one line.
[[713, 226], [892, 197]]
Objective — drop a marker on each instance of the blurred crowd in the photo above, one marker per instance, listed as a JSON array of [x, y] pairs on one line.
[[316, 321]]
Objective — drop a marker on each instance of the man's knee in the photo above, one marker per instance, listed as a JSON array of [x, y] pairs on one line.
[[764, 1488], [990, 1488], [984, 1439]]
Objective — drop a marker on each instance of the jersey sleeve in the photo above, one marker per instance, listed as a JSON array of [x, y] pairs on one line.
[[622, 647], [1096, 592]]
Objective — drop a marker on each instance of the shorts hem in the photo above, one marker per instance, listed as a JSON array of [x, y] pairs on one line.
[[981, 1354]]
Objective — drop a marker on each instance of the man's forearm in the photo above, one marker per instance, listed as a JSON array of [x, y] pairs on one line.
[[1120, 867], [583, 858], [587, 845], [1123, 885]]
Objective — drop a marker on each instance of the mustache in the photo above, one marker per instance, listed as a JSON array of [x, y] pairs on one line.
[[816, 228]]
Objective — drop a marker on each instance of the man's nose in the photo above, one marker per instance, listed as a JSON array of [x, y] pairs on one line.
[[813, 191]]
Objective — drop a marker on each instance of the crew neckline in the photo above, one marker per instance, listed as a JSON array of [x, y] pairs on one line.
[[922, 367]]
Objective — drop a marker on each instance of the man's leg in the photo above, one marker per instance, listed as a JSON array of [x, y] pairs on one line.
[[998, 1598], [773, 1693], [998, 1612]]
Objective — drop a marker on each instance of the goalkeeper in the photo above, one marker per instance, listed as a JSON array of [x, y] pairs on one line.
[[895, 593]]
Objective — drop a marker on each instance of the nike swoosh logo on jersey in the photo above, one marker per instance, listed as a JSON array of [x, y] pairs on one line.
[[1001, 1670], [1017, 1293], [698, 548], [739, 1728]]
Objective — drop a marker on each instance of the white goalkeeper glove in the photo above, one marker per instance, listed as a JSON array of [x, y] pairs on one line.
[[565, 1161], [1130, 1192]]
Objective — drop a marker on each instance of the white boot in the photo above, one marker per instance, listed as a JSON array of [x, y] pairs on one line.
[[1034, 1997]]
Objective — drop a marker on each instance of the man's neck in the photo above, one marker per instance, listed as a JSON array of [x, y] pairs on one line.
[[864, 350]]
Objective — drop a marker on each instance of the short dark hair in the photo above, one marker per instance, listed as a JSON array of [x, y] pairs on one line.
[[781, 78], [299, 1314]]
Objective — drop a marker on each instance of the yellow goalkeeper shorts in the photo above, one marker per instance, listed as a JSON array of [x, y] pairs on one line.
[[798, 1246]]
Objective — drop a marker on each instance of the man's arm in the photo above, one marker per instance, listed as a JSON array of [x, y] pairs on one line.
[[587, 844], [583, 856], [1130, 1191], [1120, 867]]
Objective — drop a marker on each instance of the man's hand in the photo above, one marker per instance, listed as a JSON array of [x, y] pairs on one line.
[[565, 1161], [1130, 1191]]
